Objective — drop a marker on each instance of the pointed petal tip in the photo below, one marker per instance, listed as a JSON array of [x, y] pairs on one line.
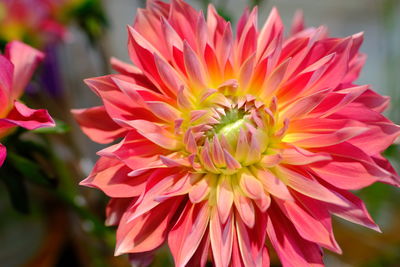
[[86, 182], [119, 250]]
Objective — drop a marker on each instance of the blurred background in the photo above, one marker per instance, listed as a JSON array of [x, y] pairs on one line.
[[47, 220]]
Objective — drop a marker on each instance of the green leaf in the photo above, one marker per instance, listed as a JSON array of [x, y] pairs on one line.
[[28, 169], [16, 189], [392, 151], [60, 128]]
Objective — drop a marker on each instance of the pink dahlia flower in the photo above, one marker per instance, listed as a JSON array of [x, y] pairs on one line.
[[231, 141], [17, 66]]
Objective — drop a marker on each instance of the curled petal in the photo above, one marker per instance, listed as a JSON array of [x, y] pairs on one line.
[[28, 118]]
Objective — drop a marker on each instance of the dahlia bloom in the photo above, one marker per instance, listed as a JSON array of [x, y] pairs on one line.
[[232, 141], [17, 66], [37, 22]]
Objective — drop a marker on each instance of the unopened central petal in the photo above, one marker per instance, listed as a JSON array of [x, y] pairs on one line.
[[231, 131]]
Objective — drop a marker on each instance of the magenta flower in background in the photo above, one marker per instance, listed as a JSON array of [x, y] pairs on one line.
[[17, 66], [230, 141], [32, 21]]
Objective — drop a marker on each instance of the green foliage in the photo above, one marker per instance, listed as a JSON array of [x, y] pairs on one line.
[[60, 128], [91, 18]]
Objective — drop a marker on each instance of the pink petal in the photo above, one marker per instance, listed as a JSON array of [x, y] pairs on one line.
[[119, 104], [221, 235], [251, 186], [200, 257], [193, 65], [206, 161], [142, 54], [111, 176], [252, 241], [3, 154], [320, 212], [116, 208], [298, 156], [181, 187], [310, 140], [337, 100], [245, 208], [6, 76], [159, 181], [224, 199], [184, 20], [264, 202], [298, 22], [171, 37], [123, 68], [268, 161], [236, 255], [187, 234], [97, 124], [201, 189], [231, 162], [383, 163], [153, 132], [134, 150], [383, 133], [273, 185], [218, 153], [272, 82], [168, 75], [337, 70], [28, 118], [374, 101], [355, 212], [310, 187], [148, 231], [163, 110], [292, 250], [25, 60], [309, 227], [273, 27], [304, 105], [345, 174]]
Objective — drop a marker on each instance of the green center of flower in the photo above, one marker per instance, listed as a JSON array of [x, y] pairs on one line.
[[233, 128], [229, 125], [232, 121]]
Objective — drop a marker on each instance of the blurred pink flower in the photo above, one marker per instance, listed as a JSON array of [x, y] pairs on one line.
[[231, 141], [17, 66], [37, 22]]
